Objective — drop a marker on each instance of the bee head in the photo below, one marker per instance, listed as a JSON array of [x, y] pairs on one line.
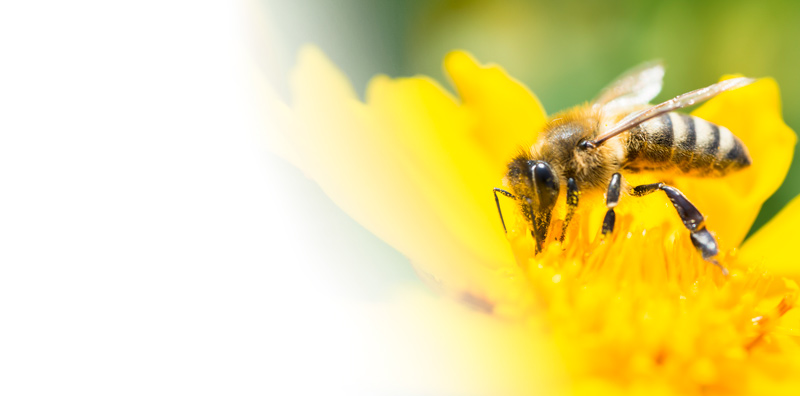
[[536, 186]]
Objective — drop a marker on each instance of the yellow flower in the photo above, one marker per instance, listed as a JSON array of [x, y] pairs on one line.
[[638, 312]]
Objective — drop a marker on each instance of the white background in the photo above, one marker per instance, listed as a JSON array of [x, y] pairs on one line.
[[135, 216], [150, 245]]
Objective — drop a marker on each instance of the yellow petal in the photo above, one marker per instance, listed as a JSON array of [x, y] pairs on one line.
[[412, 165], [428, 345], [775, 244], [507, 115], [731, 204]]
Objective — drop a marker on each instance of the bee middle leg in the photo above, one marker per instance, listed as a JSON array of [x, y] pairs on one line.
[[691, 217]]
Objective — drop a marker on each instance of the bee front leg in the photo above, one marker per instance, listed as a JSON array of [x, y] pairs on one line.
[[612, 199], [692, 219], [572, 204], [497, 202]]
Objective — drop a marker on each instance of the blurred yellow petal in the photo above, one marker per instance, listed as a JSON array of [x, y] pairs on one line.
[[429, 345], [408, 166], [507, 116], [775, 244]]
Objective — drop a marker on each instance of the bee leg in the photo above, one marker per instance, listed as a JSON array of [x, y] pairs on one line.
[[497, 201], [612, 199], [692, 219], [572, 204], [546, 186]]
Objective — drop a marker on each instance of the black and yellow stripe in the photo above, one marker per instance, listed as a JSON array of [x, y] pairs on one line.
[[690, 144]]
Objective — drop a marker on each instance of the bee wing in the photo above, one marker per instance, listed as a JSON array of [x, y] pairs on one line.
[[678, 102], [638, 86]]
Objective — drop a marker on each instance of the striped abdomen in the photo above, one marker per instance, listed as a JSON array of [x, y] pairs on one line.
[[689, 144]]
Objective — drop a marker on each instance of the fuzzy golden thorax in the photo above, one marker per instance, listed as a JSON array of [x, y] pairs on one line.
[[559, 145]]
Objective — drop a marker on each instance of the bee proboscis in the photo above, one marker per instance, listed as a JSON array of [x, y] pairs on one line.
[[586, 148]]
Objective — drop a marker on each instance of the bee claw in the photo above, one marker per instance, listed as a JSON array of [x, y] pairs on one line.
[[723, 269]]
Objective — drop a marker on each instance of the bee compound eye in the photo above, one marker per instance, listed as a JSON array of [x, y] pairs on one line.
[[546, 185], [544, 177]]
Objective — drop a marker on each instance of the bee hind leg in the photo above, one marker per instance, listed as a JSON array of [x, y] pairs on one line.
[[612, 199], [692, 219]]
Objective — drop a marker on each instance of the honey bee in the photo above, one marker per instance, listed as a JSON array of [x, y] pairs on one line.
[[586, 148]]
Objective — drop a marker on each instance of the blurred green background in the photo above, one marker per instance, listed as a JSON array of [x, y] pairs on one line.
[[564, 51]]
